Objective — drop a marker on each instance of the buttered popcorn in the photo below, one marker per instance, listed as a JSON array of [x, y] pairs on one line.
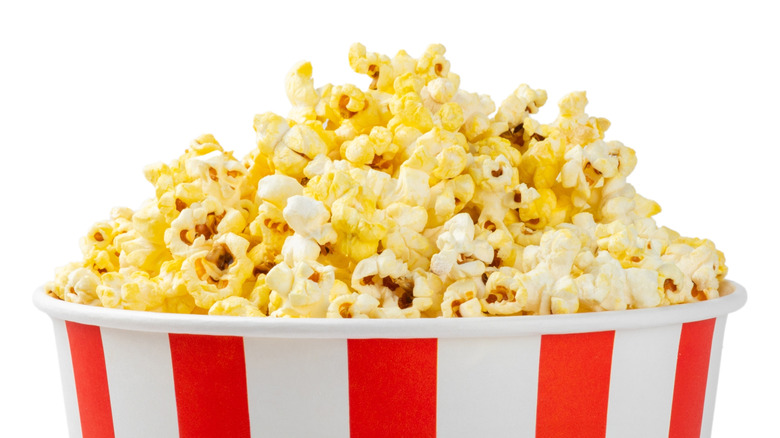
[[408, 198]]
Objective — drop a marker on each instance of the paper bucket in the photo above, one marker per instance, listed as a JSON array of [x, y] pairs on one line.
[[647, 372]]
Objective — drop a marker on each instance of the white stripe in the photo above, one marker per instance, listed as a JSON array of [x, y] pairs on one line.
[[712, 377], [140, 383], [641, 387], [487, 387], [297, 387], [68, 379]]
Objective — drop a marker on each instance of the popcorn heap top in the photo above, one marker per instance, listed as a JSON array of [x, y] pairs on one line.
[[412, 198]]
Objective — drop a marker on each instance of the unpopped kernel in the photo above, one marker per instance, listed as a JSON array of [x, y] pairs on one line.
[[407, 198]]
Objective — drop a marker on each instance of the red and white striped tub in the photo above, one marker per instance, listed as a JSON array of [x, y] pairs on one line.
[[635, 373]]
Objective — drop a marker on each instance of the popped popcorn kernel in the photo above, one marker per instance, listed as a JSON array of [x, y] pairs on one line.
[[219, 272], [235, 306], [406, 197]]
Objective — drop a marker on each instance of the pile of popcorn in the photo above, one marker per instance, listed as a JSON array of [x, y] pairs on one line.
[[412, 198]]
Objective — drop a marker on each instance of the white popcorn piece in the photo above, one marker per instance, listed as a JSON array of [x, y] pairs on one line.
[[520, 104], [277, 189], [309, 218]]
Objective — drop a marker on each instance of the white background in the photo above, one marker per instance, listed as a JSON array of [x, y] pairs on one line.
[[92, 92]]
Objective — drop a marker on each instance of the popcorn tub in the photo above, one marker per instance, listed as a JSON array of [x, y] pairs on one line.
[[647, 372]]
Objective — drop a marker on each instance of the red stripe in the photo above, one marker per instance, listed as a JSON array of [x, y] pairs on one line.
[[89, 371], [392, 387], [573, 393], [690, 380], [209, 376]]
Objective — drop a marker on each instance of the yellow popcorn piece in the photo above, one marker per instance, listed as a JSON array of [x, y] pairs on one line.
[[218, 175], [410, 188], [674, 285], [376, 149], [358, 223], [299, 145], [98, 247], [328, 180], [195, 228], [215, 274], [302, 290], [378, 67], [505, 251], [450, 116], [428, 293], [136, 291], [410, 197], [171, 283], [270, 128], [432, 64], [495, 180], [404, 235], [270, 228], [300, 86], [504, 293], [357, 111], [259, 296], [235, 306], [461, 299], [448, 198], [409, 110], [139, 253], [57, 287], [353, 305], [437, 92]]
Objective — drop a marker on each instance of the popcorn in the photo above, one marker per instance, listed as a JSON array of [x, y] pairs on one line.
[[448, 198], [299, 145], [219, 176], [136, 291], [519, 105], [460, 255], [386, 278], [378, 67], [427, 292], [309, 218], [504, 293], [404, 235], [302, 290], [409, 198], [358, 223], [300, 86], [235, 306], [354, 305], [193, 229], [270, 228], [461, 299], [81, 287], [217, 273], [277, 189]]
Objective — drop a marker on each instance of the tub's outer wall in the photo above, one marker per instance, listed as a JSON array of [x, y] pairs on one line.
[[627, 382]]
